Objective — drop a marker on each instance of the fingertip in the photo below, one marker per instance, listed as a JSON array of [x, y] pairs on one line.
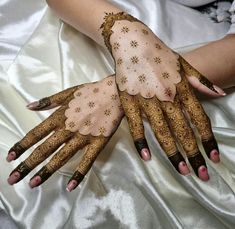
[[203, 173], [13, 178], [183, 168], [33, 105], [35, 181], [71, 185], [145, 154], [11, 156]]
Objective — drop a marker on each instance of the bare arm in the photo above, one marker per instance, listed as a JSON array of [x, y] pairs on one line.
[[216, 61]]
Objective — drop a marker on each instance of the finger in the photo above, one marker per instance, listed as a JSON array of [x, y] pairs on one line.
[[89, 156], [52, 101], [41, 153], [185, 137], [36, 134], [200, 120], [151, 107], [59, 159], [133, 115], [200, 82]]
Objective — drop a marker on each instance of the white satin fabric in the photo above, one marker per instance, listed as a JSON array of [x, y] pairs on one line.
[[120, 191]]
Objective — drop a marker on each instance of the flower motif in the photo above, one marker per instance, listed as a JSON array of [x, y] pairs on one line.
[[123, 80], [157, 60], [119, 61], [110, 83], [107, 112], [71, 124], [87, 122], [142, 78], [134, 44], [116, 46], [165, 75], [91, 104], [145, 32], [168, 92], [157, 46], [78, 94], [96, 90], [102, 130], [125, 29], [114, 97], [77, 109], [134, 60]]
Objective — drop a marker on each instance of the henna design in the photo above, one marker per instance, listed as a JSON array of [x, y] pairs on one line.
[[77, 176], [23, 169], [141, 144], [44, 174], [109, 20], [43, 103], [196, 161], [18, 149], [210, 145], [176, 159], [134, 60]]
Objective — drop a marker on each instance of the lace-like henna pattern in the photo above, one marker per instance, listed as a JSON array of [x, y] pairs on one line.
[[97, 109], [18, 149], [109, 21], [162, 71]]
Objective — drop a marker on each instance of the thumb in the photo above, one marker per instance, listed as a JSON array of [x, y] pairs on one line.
[[200, 82], [52, 101]]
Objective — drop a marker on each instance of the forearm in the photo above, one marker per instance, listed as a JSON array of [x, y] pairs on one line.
[[84, 15], [216, 61]]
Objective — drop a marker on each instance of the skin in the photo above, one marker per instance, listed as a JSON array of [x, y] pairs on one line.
[[75, 13]]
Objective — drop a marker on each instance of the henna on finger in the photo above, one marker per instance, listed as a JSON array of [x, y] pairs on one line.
[[199, 119], [87, 160], [133, 115], [52, 101], [36, 134], [154, 113]]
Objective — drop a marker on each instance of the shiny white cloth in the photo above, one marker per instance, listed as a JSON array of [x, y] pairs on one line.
[[120, 191]]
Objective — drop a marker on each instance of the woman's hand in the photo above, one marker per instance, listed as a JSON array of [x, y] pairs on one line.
[[87, 118], [153, 80]]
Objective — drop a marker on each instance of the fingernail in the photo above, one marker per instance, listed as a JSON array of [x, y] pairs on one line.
[[35, 181], [183, 168], [13, 178], [219, 90], [214, 156], [33, 105], [11, 156], [203, 173], [72, 185], [145, 154]]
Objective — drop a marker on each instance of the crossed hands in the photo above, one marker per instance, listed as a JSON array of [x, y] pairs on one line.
[[150, 80]]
